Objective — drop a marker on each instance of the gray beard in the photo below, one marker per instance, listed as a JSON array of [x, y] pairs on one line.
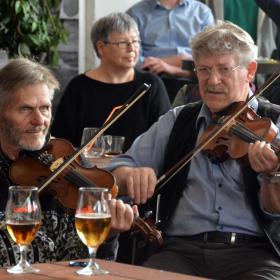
[[14, 138]]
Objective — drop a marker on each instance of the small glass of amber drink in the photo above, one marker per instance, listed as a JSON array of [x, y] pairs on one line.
[[23, 219]]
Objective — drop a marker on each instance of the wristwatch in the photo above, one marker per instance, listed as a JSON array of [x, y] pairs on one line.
[[273, 177]]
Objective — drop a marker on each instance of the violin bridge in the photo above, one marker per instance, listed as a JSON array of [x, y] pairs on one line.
[[56, 164]]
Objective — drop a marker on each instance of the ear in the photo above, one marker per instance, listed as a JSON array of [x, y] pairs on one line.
[[252, 69], [99, 47]]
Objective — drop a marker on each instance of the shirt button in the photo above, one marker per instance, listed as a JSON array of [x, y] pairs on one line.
[[220, 208], [220, 185]]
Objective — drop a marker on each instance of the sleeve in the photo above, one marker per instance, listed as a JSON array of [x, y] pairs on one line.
[[208, 18], [149, 148], [133, 14], [271, 8], [180, 98], [65, 120]]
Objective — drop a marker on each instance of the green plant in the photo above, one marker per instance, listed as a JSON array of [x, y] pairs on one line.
[[31, 28]]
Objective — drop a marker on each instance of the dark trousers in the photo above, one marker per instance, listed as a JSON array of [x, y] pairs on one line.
[[244, 261]]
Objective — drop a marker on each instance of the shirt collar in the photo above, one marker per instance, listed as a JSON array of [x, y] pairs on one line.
[[204, 115], [181, 3]]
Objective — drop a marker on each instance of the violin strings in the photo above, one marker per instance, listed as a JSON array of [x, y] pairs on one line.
[[249, 136]]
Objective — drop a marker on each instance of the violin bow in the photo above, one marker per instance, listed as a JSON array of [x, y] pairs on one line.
[[114, 116], [177, 167], [115, 109]]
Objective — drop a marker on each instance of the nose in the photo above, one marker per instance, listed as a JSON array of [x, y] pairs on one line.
[[130, 45], [214, 77], [38, 118]]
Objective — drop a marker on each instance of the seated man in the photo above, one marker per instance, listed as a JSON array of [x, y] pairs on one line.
[[219, 217], [166, 27], [26, 92]]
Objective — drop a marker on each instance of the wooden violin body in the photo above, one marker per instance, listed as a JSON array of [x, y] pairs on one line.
[[33, 169], [233, 141]]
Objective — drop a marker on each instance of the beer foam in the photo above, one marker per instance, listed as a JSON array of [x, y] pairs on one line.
[[93, 216]]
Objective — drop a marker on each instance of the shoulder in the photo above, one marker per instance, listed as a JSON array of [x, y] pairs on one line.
[[77, 80], [191, 108], [199, 7], [157, 86], [144, 5], [148, 76]]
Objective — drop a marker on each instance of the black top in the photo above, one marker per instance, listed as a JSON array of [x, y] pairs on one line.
[[87, 103]]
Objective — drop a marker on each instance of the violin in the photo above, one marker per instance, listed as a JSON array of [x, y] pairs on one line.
[[234, 139], [35, 167]]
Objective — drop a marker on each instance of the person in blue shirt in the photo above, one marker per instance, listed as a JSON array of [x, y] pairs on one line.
[[165, 28], [219, 217]]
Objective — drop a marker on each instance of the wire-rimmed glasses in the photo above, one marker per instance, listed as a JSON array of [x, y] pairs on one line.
[[222, 71], [124, 44]]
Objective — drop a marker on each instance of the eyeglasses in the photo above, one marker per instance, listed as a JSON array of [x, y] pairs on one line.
[[124, 44], [221, 71]]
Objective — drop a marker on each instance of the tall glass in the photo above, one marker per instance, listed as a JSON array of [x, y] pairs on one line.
[[97, 149], [93, 222], [23, 218]]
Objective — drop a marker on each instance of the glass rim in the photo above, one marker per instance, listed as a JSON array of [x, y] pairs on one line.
[[93, 189], [114, 136], [91, 127], [23, 188]]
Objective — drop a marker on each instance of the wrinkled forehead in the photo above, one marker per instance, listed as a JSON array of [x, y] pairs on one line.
[[32, 95], [215, 58]]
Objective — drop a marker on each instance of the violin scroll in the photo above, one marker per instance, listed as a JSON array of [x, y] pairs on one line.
[[149, 231]]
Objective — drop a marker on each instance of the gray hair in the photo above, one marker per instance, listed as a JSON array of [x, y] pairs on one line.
[[224, 38], [114, 22], [21, 72]]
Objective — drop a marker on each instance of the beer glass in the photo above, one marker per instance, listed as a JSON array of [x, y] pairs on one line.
[[23, 218], [93, 222]]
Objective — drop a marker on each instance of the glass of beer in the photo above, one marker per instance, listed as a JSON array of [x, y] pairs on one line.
[[93, 222], [23, 218]]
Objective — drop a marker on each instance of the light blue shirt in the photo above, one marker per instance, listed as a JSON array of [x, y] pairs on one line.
[[166, 32], [215, 197]]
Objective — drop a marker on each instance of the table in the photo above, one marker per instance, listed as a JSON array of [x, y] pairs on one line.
[[117, 271]]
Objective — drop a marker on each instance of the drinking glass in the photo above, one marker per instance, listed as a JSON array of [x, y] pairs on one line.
[[23, 218], [113, 145], [93, 222], [97, 148]]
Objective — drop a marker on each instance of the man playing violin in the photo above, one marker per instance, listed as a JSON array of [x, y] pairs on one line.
[[26, 92], [219, 218]]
